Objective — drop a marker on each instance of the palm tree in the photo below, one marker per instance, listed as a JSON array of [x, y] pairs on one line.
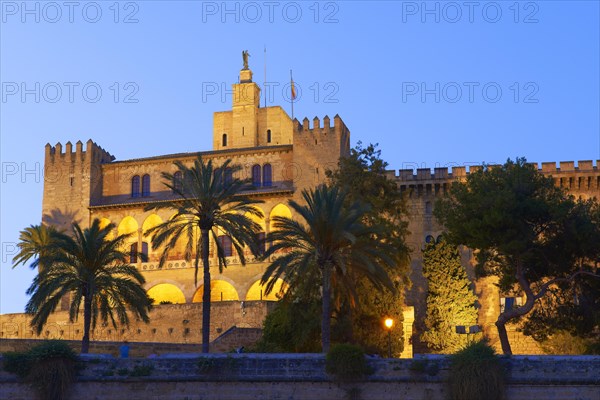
[[332, 241], [209, 200], [93, 268], [34, 241]]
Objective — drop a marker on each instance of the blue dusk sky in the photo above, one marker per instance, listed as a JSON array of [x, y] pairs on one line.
[[434, 83]]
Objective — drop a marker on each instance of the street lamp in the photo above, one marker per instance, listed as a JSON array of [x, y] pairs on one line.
[[388, 324]]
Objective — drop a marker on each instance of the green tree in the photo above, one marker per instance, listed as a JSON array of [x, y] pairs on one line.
[[291, 327], [93, 269], [330, 241], [528, 232], [363, 175], [367, 319], [450, 298], [209, 200]]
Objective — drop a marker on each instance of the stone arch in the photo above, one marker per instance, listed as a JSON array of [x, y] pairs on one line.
[[178, 252], [280, 210], [127, 225], [166, 292], [219, 291], [150, 222], [259, 220], [104, 222], [257, 291]]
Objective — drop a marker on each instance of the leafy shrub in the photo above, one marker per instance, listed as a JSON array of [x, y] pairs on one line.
[[18, 363], [476, 373], [49, 367], [346, 362]]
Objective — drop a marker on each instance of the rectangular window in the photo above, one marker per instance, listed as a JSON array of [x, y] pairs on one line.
[[225, 244], [508, 303], [133, 252], [260, 239]]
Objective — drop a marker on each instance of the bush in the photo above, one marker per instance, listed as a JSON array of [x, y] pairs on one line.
[[49, 367], [476, 373], [346, 362]]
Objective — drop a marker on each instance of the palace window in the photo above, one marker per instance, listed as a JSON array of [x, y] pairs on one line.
[[144, 254], [224, 140], [508, 303], [225, 244], [146, 185], [260, 240], [135, 186], [133, 253], [428, 208], [268, 136], [267, 175], [256, 181], [228, 177], [177, 182]]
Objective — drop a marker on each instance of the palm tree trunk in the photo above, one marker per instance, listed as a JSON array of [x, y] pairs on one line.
[[206, 294], [87, 321], [326, 317]]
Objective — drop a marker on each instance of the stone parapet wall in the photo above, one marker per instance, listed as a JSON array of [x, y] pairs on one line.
[[303, 376]]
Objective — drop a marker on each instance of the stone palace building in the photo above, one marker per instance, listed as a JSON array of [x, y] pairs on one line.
[[282, 157]]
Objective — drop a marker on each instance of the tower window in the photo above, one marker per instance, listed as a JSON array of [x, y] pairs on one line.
[[268, 136], [224, 140], [256, 175], [267, 175], [146, 185], [135, 186]]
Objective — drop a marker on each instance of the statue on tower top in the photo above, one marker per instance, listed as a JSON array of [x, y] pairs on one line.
[[245, 56]]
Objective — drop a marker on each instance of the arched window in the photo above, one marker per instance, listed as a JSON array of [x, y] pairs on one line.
[[228, 177], [256, 175], [267, 175], [133, 253], [135, 186], [224, 140], [144, 251], [146, 185], [177, 181], [225, 244], [268, 136], [429, 239]]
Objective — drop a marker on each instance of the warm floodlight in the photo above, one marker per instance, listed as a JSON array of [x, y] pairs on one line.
[[389, 323]]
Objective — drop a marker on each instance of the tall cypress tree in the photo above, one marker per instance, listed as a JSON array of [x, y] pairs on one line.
[[450, 299]]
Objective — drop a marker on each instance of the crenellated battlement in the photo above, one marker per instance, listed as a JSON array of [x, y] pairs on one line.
[[93, 150], [338, 127], [450, 173]]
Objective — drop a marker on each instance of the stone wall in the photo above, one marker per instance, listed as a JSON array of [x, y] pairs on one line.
[[176, 323], [422, 188], [302, 376]]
